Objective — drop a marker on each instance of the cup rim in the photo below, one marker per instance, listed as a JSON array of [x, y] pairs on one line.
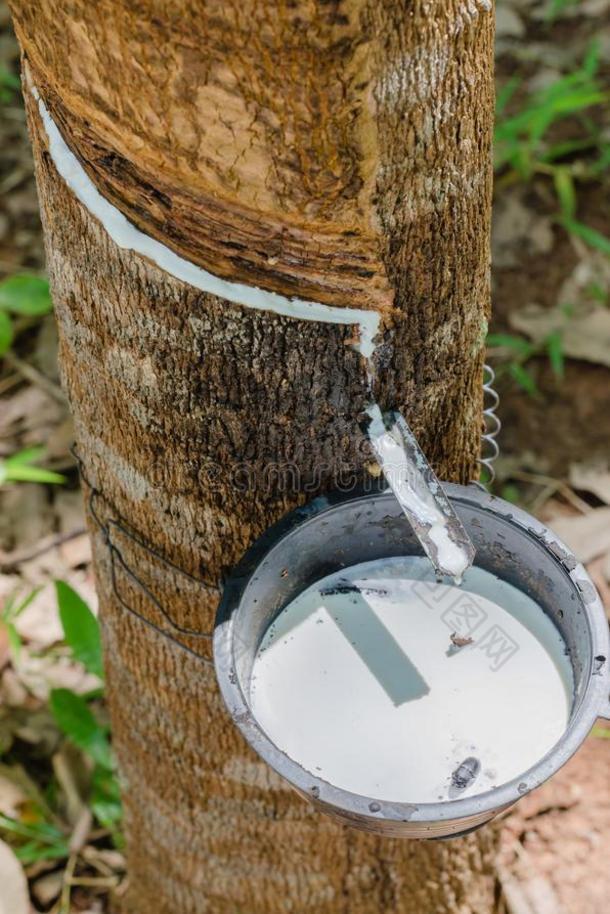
[[355, 807]]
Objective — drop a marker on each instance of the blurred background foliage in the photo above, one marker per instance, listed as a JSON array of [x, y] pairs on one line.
[[549, 343]]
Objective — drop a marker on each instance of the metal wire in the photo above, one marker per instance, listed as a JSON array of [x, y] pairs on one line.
[[117, 558], [490, 449]]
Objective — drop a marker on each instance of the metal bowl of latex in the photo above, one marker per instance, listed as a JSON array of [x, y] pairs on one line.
[[396, 702]]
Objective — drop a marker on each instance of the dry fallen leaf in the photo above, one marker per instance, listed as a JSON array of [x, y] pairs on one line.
[[5, 649], [587, 535], [76, 552], [13, 694], [39, 623], [585, 336], [73, 776], [598, 574], [40, 730], [45, 353], [14, 897], [60, 440], [592, 269], [47, 888], [41, 673], [107, 861], [70, 509], [516, 227], [594, 478], [508, 23], [26, 517], [32, 413], [11, 797]]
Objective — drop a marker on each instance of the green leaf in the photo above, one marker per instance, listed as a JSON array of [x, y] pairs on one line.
[[76, 720], [589, 235], [603, 163], [17, 468], [9, 83], [521, 140], [556, 7], [32, 852], [515, 343], [9, 80], [13, 607], [42, 840], [106, 799], [597, 292], [505, 94], [28, 474], [484, 476], [554, 348], [39, 831], [510, 492], [14, 639], [523, 378], [577, 101], [590, 64], [564, 188], [26, 295], [81, 628], [7, 334], [568, 147], [25, 456]]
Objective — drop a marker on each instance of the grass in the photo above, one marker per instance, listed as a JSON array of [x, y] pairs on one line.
[[556, 8], [69, 785], [555, 132], [515, 352], [20, 467]]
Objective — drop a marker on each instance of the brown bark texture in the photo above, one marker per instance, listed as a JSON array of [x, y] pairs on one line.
[[337, 150]]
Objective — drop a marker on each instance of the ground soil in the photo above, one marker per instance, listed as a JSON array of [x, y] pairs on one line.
[[570, 421]]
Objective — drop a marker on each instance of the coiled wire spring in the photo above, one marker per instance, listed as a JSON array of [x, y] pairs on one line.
[[490, 449]]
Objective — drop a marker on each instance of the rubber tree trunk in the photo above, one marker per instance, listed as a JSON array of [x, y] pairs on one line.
[[337, 151]]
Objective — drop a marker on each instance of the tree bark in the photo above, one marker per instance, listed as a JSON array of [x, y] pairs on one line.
[[337, 151]]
